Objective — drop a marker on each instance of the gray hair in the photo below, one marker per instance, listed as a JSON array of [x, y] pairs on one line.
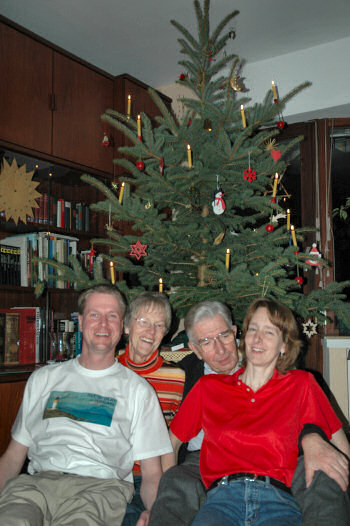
[[206, 309], [148, 300], [102, 289]]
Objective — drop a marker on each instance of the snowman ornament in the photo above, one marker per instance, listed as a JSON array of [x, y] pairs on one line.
[[218, 204]]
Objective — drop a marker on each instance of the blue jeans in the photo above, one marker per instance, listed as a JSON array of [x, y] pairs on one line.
[[136, 507], [248, 503]]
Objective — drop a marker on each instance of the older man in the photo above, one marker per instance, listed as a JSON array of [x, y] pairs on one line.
[[82, 424], [181, 492]]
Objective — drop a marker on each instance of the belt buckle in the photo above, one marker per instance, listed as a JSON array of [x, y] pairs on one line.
[[223, 481], [253, 478]]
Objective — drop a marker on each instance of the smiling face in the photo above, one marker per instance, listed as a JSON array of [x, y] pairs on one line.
[[101, 324], [263, 341], [145, 337], [223, 358]]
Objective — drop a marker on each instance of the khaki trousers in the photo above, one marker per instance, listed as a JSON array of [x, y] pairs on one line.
[[57, 499]]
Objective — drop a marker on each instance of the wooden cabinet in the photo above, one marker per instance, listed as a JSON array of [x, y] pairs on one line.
[[26, 72], [81, 96], [52, 103], [11, 392]]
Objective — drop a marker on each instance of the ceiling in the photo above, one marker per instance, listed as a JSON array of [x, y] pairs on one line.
[[136, 37]]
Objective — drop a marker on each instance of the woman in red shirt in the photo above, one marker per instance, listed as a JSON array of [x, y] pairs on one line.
[[251, 422]]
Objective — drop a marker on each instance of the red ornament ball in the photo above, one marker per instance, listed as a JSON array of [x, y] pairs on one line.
[[299, 280], [269, 228], [182, 76], [281, 125], [296, 252], [140, 165]]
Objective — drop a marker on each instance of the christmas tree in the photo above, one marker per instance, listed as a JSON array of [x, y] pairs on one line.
[[202, 194]]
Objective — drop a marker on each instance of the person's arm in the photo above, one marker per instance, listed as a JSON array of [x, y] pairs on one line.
[[11, 461], [321, 455], [176, 443], [151, 471], [167, 461]]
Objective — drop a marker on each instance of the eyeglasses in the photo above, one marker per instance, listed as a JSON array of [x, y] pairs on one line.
[[209, 344], [146, 324]]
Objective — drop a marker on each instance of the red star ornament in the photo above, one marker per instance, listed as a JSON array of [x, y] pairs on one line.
[[138, 250], [249, 175]]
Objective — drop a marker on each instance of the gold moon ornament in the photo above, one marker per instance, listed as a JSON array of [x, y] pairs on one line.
[[17, 192]]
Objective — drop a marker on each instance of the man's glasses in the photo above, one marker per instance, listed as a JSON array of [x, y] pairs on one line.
[[209, 344], [146, 324]]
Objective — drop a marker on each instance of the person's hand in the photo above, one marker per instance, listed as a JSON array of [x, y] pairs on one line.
[[143, 519], [320, 455]]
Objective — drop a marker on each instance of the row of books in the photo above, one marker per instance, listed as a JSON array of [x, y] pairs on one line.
[[58, 212], [21, 335], [26, 337], [65, 339], [20, 268]]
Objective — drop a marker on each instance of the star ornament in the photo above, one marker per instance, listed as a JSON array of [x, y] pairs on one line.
[[309, 328], [138, 250], [17, 191]]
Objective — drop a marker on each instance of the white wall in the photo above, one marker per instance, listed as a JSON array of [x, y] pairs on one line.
[[326, 66]]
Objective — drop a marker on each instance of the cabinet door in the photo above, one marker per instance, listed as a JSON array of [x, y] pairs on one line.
[[25, 88], [81, 96], [11, 394]]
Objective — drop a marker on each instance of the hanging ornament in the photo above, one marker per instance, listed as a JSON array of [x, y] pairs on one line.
[[249, 174], [161, 166], [205, 211], [218, 204], [138, 250], [18, 192], [309, 328], [276, 155], [270, 144], [269, 228], [114, 185], [91, 256], [314, 254], [189, 123], [105, 141], [281, 125], [182, 77], [219, 238], [236, 83], [140, 165], [299, 280], [275, 218], [148, 205]]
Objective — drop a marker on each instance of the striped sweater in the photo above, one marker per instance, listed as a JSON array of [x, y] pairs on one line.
[[165, 377]]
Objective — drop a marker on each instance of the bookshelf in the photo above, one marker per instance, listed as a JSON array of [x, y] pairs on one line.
[[53, 120], [45, 234]]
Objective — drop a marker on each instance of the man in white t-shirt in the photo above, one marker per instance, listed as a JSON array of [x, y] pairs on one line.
[[82, 424]]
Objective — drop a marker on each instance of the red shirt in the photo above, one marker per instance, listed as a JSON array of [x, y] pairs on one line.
[[252, 432]]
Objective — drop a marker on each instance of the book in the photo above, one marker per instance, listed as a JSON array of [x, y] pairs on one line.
[[30, 333], [2, 336], [11, 340], [10, 265], [20, 242]]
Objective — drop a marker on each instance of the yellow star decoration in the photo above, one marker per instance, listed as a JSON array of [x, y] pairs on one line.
[[17, 191]]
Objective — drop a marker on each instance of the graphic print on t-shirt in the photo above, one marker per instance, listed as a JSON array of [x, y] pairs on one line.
[[85, 407]]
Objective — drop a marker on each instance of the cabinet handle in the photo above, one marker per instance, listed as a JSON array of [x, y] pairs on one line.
[[53, 102]]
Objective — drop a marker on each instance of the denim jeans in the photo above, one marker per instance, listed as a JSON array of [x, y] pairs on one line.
[[136, 507], [248, 503]]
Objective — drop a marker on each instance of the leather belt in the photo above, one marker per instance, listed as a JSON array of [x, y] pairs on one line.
[[249, 476]]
